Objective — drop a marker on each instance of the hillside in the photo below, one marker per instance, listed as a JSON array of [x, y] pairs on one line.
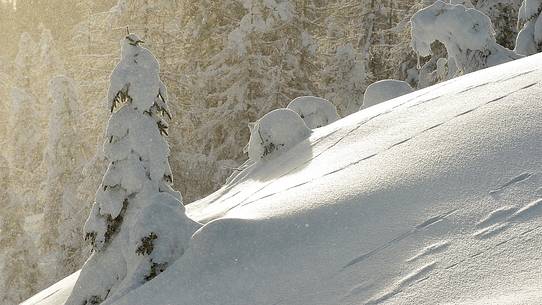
[[433, 197]]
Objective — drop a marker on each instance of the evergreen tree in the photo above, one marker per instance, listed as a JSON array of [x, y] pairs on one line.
[[503, 15], [137, 225], [267, 59], [61, 248], [18, 261], [343, 79]]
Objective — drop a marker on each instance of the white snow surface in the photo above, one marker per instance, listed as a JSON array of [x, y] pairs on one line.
[[315, 111], [384, 90], [431, 198], [56, 294]]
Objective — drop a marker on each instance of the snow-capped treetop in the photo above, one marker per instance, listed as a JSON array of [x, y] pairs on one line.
[[384, 90], [49, 57], [63, 92], [137, 77], [466, 3], [119, 8], [277, 131], [467, 34], [315, 111], [26, 57], [261, 16]]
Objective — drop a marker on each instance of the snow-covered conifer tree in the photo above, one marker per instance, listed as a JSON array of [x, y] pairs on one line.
[[529, 39], [26, 60], [467, 35], [503, 15], [137, 226], [50, 61], [343, 79], [18, 267], [60, 247], [247, 58]]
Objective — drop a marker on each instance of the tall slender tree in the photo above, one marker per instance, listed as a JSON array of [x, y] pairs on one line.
[[137, 226], [61, 247]]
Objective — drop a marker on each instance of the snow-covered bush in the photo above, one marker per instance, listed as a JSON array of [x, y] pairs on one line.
[[384, 90], [137, 225], [529, 39], [275, 132], [315, 111], [467, 35]]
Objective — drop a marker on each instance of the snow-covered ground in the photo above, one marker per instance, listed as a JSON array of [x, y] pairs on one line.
[[56, 294], [434, 197]]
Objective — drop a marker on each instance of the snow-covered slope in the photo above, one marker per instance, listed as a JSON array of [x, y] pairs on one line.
[[56, 294], [431, 198]]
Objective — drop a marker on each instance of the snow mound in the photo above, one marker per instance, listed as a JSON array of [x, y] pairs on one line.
[[315, 111], [275, 132], [425, 199], [384, 90], [164, 217]]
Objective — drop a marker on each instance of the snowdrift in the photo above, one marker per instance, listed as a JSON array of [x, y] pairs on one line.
[[434, 197]]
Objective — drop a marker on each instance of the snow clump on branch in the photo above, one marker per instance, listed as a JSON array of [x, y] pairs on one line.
[[467, 34]]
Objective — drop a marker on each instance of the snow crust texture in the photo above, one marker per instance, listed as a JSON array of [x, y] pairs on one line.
[[384, 90]]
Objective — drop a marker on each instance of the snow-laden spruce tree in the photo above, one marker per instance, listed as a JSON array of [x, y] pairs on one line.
[[61, 247], [137, 226], [529, 39], [503, 15], [344, 79], [246, 58], [26, 60], [467, 35]]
